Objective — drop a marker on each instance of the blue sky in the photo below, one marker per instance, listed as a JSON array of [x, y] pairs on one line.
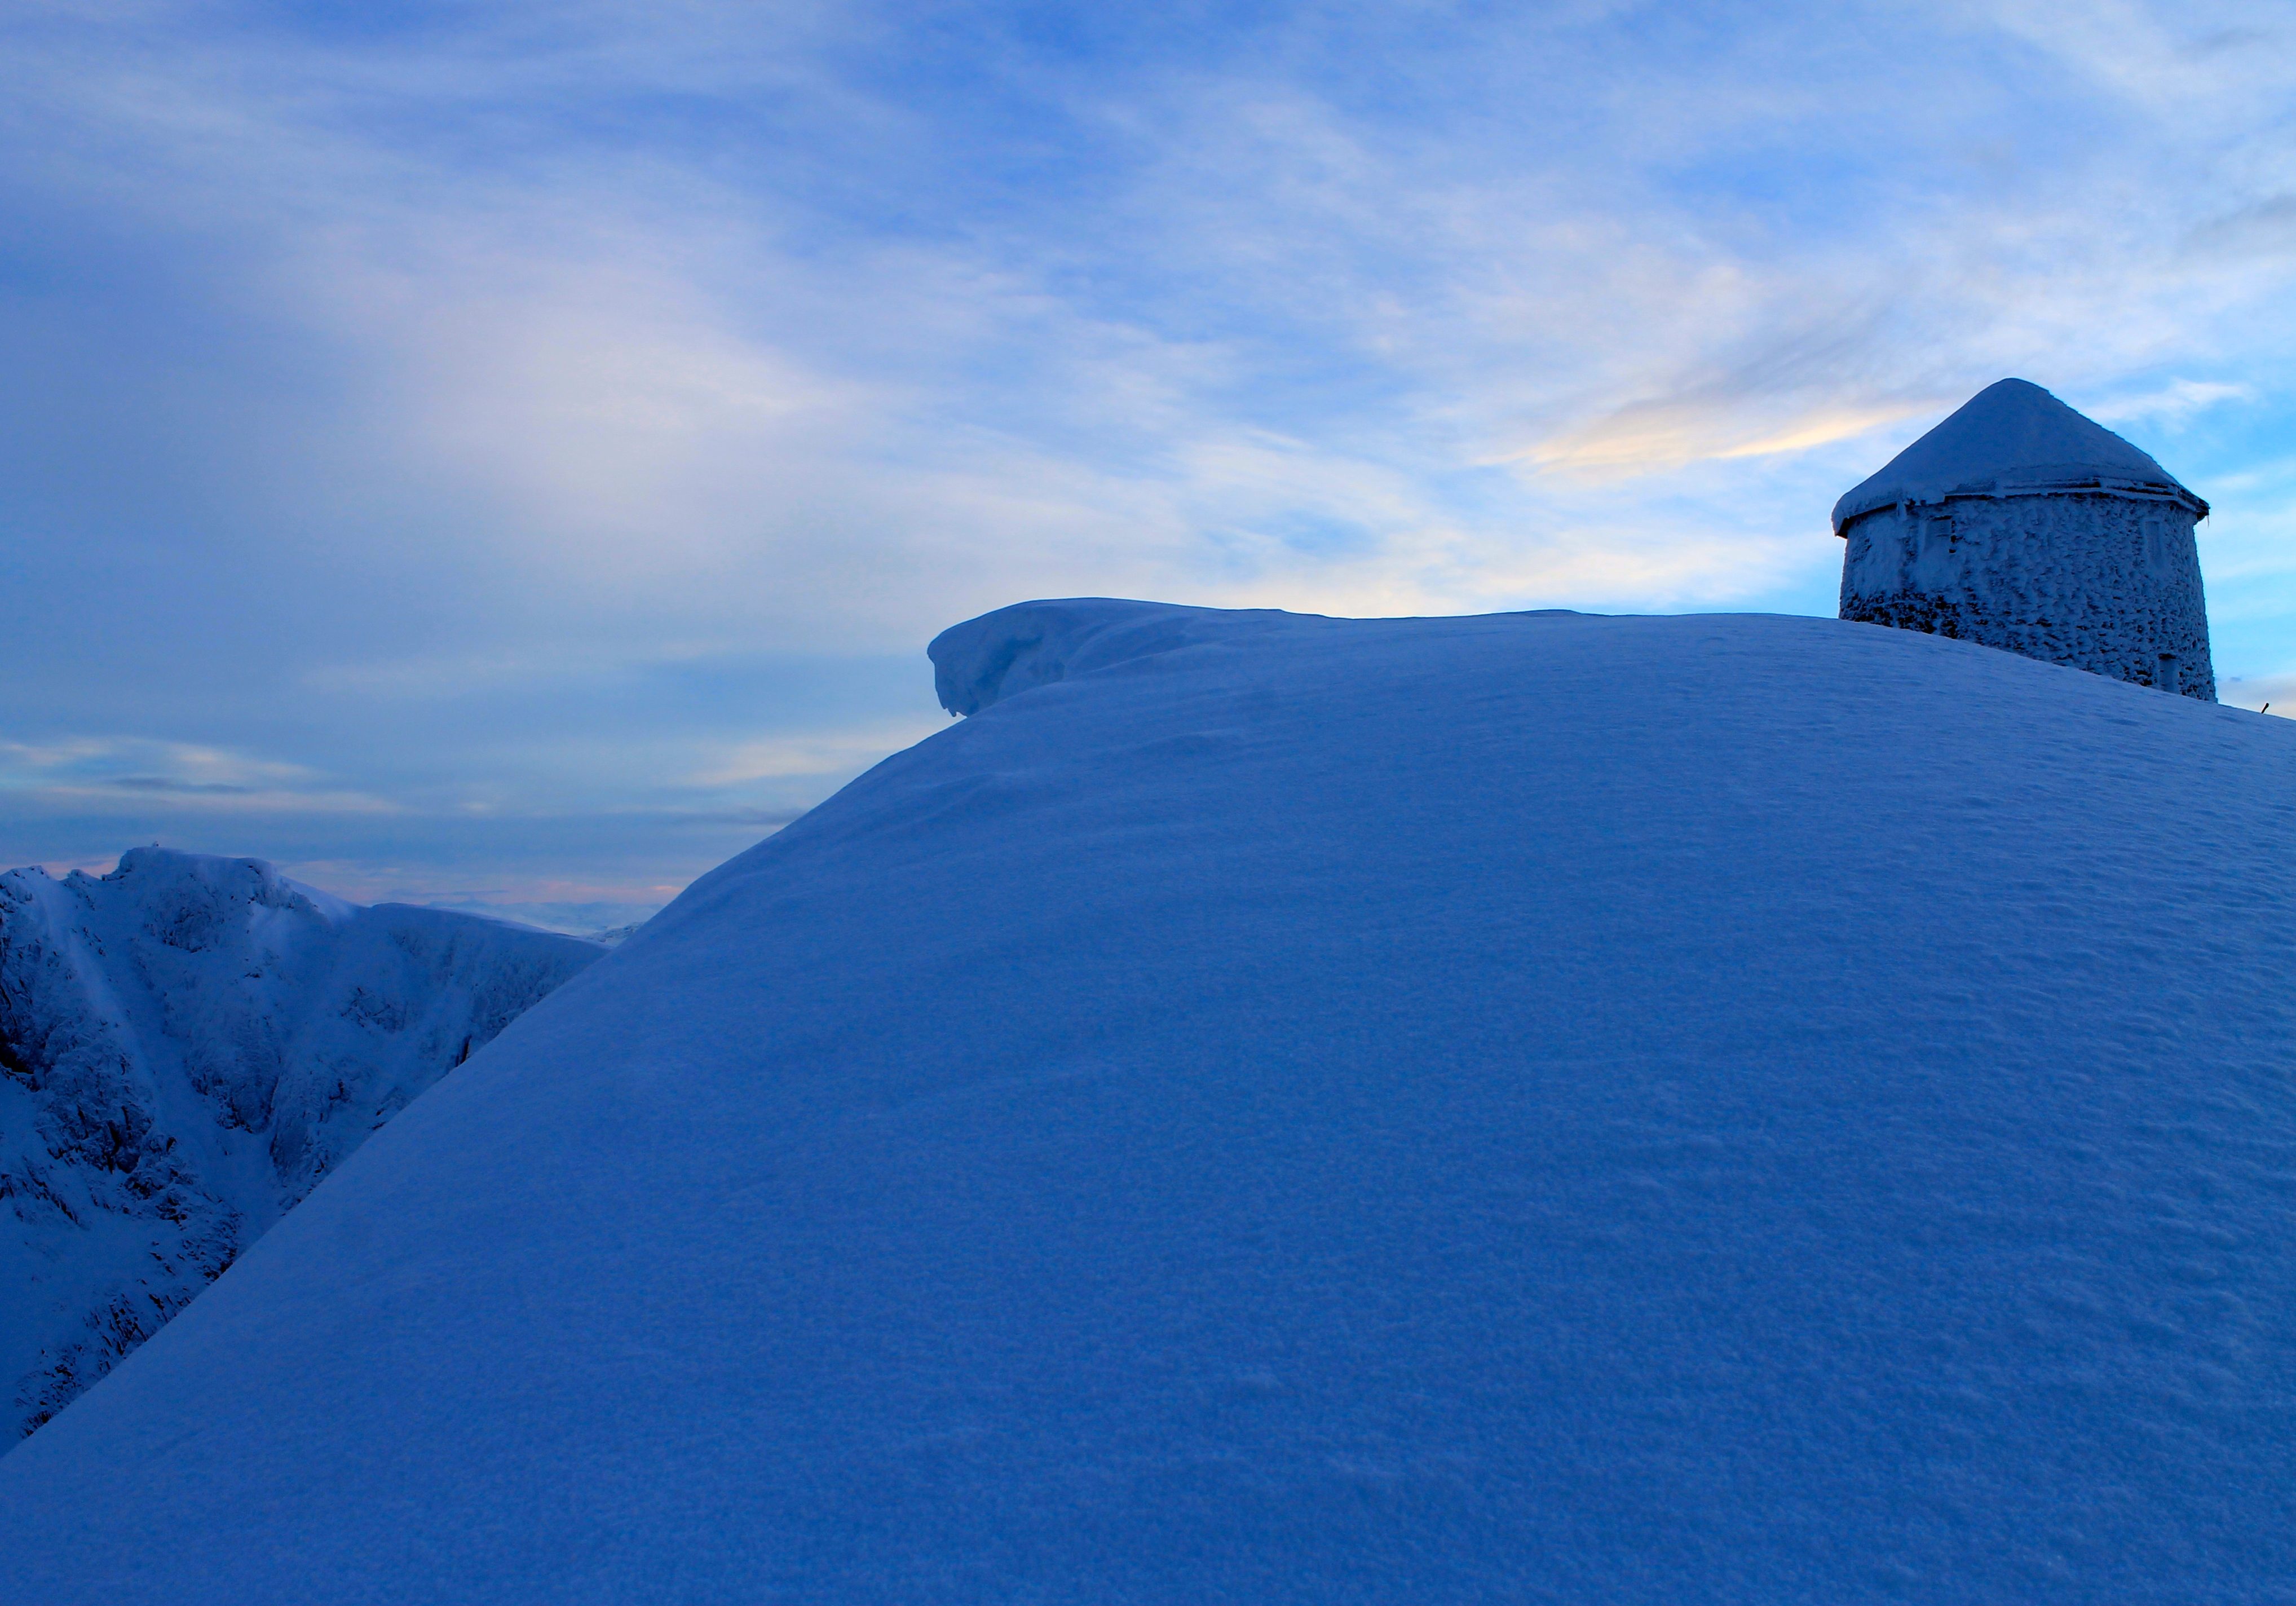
[[513, 455]]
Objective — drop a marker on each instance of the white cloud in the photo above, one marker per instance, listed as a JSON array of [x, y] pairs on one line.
[[144, 763], [839, 753], [1643, 437], [110, 775], [582, 338], [2173, 404], [657, 396]]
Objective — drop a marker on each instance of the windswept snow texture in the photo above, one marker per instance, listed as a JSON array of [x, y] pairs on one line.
[[186, 1046], [1513, 1108]]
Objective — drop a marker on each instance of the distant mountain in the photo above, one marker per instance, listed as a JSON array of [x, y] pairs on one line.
[[187, 1045]]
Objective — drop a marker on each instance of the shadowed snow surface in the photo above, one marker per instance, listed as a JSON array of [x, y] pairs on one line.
[[1533, 1108]]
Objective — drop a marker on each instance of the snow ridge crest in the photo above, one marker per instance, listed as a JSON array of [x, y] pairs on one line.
[[984, 660]]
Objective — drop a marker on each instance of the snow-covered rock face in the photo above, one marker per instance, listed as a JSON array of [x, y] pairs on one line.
[[2019, 524], [1481, 1109], [186, 1046]]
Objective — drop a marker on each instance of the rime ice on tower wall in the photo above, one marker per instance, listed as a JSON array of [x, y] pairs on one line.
[[2021, 525]]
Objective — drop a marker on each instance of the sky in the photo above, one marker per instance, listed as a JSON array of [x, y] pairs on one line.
[[512, 456]]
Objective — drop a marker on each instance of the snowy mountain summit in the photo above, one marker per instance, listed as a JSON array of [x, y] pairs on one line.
[[2020, 524], [186, 1046], [1277, 1109]]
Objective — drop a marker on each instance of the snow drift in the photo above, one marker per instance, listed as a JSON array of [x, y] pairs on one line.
[[1521, 1108], [186, 1046]]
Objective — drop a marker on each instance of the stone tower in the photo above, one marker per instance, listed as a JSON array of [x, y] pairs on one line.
[[2022, 525]]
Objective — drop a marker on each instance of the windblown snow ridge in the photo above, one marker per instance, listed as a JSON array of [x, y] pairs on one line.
[[1028, 644], [187, 1045], [1031, 645]]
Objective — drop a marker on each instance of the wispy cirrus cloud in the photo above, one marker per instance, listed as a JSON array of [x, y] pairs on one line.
[[125, 775], [144, 764], [454, 405], [2173, 405], [168, 784], [838, 753]]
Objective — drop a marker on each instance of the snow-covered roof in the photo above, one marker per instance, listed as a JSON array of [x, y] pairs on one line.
[[2013, 438]]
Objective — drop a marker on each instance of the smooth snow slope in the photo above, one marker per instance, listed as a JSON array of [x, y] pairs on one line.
[[186, 1046], [1510, 1109]]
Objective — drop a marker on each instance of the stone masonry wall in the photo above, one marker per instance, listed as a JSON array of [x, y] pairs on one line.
[[2107, 584]]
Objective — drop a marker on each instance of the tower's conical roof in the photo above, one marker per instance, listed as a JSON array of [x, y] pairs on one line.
[[2013, 438]]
